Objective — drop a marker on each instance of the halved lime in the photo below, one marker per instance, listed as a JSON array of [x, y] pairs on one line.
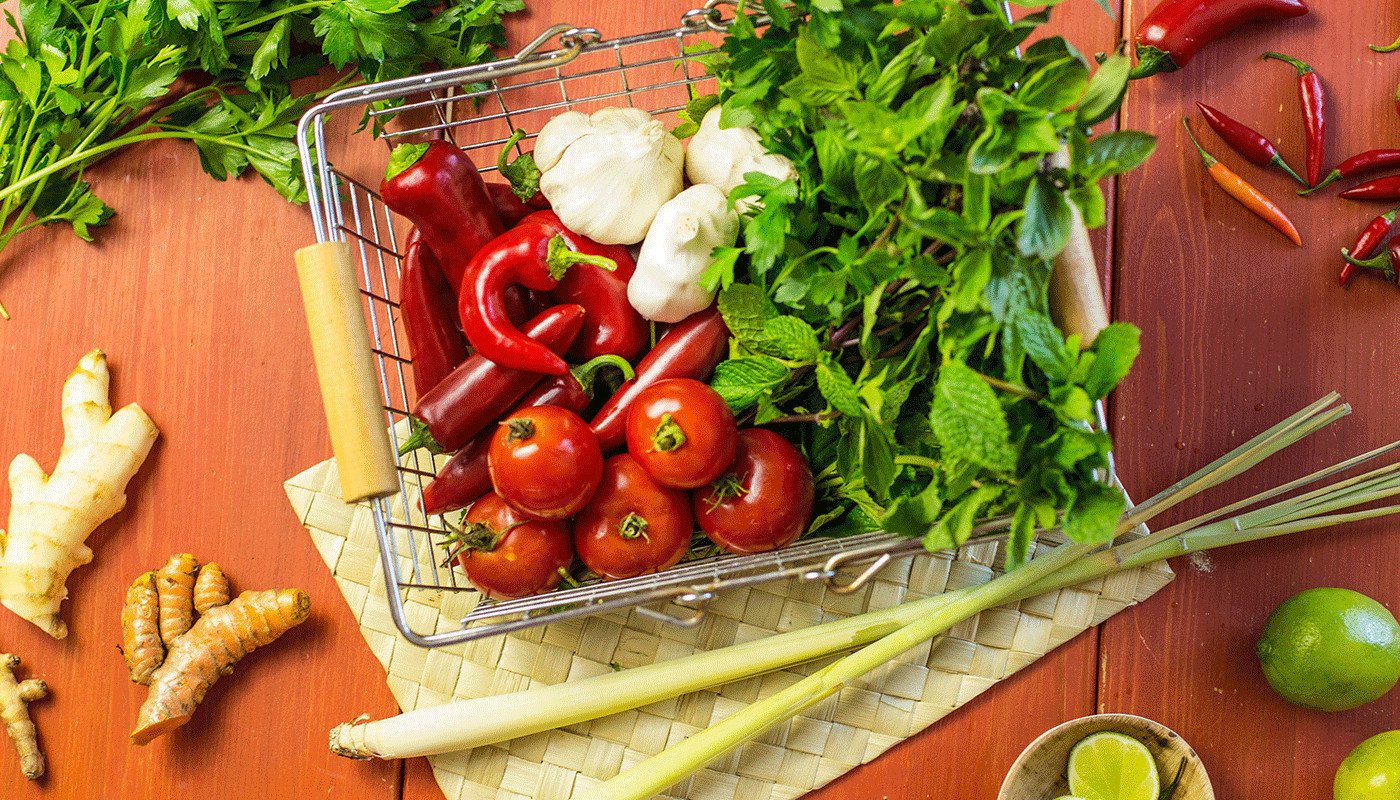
[[1111, 766]]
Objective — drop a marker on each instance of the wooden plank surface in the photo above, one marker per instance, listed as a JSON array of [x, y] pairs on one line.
[[192, 293]]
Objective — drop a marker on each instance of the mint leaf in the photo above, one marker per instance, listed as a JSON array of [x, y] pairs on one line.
[[955, 527], [968, 421], [742, 382], [1115, 349], [745, 309], [789, 338], [914, 514], [1045, 228], [1095, 514], [877, 456], [1044, 343], [836, 386]]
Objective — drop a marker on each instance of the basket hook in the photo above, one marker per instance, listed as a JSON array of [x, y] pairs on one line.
[[709, 16], [699, 598], [832, 572], [571, 38]]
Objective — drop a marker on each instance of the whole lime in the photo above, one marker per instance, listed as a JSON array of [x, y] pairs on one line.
[[1330, 649], [1372, 771]]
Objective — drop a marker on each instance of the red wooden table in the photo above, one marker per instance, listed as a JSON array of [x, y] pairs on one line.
[[191, 292]]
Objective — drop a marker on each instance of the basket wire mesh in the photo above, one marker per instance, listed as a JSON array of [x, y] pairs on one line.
[[479, 107]]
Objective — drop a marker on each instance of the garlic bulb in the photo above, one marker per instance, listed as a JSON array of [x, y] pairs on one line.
[[607, 174], [720, 156], [666, 287]]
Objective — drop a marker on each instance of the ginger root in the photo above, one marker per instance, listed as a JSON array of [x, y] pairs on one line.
[[52, 515], [191, 661], [15, 697]]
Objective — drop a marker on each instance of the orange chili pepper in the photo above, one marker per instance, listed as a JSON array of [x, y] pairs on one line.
[[1240, 189]]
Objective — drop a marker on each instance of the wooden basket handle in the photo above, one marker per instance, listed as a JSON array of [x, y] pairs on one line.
[[1077, 302], [345, 370]]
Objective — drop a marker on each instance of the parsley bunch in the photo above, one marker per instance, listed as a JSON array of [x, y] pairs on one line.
[[892, 300], [84, 78]]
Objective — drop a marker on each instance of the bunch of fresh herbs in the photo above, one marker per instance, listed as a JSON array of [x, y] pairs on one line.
[[892, 301]]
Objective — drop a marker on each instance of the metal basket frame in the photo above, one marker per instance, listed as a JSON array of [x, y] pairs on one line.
[[344, 209]]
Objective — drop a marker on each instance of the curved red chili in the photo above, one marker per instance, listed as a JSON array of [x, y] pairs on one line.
[[690, 349], [1367, 243], [435, 340], [1175, 30], [1387, 188], [479, 392], [1386, 264], [1246, 141], [612, 326], [1361, 162], [436, 186], [1314, 104], [532, 256]]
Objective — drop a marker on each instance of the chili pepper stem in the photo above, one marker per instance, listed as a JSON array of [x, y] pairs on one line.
[[1303, 67], [419, 437], [586, 372], [1151, 61], [561, 257], [1332, 177], [1206, 158], [1386, 48], [1283, 165]]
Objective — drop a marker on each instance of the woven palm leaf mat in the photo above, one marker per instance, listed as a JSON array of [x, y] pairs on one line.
[[852, 728]]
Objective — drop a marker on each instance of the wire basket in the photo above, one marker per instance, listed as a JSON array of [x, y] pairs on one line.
[[479, 107]]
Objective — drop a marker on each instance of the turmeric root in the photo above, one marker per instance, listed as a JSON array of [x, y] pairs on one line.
[[141, 645], [210, 649], [15, 697], [175, 586], [52, 515], [210, 588]]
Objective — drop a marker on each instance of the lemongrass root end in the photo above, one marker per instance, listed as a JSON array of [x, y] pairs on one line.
[[347, 740]]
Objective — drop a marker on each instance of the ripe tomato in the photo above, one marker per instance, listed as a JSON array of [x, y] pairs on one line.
[[634, 526], [682, 432], [545, 462], [763, 501], [506, 555]]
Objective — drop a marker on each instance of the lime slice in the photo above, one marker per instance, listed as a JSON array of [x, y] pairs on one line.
[[1069, 797], [1111, 766]]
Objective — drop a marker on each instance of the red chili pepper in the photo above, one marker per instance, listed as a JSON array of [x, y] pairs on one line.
[[429, 309], [1357, 164], [1387, 188], [533, 256], [612, 326], [1240, 189], [480, 391], [509, 207], [465, 477], [1367, 243], [1175, 30], [1386, 264], [436, 186], [690, 349], [1246, 141], [1313, 100]]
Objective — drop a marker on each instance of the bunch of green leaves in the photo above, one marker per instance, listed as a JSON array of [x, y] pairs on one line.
[[892, 300], [82, 79]]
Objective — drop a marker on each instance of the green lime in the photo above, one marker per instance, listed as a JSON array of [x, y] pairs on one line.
[[1111, 766], [1330, 649], [1372, 771]]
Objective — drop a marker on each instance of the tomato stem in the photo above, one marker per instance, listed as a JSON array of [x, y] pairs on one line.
[[520, 429], [633, 526], [668, 435]]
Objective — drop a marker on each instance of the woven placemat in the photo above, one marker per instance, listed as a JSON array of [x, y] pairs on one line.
[[852, 728]]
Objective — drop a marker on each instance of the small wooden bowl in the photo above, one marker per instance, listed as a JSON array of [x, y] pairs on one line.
[[1039, 773]]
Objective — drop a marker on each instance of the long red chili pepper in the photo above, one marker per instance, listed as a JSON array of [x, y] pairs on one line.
[[429, 310], [1175, 30], [1313, 100], [1367, 243], [1387, 188], [436, 186], [612, 326], [1357, 164], [465, 477], [690, 349], [528, 255], [509, 207], [1387, 263], [478, 392], [1248, 196], [1246, 141]]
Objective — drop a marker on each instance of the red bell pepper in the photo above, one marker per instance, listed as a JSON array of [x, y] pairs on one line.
[[690, 349], [612, 326], [1175, 30], [528, 255], [479, 391], [429, 309], [465, 476], [436, 186]]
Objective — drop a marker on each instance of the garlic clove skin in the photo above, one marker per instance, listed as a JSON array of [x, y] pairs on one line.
[[607, 174], [720, 157], [687, 229]]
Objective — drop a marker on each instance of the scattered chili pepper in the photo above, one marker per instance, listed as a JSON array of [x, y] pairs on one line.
[[1247, 195], [1387, 188], [612, 325], [429, 309], [529, 255], [479, 391], [1357, 164], [1313, 100], [1367, 243], [1246, 141], [465, 477], [436, 186], [690, 349], [1387, 263], [1175, 30]]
